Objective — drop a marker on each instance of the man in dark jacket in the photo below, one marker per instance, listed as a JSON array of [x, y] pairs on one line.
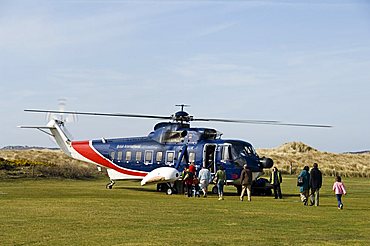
[[276, 180], [315, 184], [246, 182]]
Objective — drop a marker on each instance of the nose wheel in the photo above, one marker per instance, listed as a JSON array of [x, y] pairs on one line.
[[110, 185]]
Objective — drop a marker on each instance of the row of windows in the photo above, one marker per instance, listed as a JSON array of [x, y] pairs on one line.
[[148, 156]]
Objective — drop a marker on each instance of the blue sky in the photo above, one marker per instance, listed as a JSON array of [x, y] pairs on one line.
[[293, 61]]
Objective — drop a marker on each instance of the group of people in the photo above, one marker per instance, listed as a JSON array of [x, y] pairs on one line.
[[192, 182], [309, 182]]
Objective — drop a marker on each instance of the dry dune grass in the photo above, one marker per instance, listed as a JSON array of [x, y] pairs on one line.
[[44, 162], [292, 157]]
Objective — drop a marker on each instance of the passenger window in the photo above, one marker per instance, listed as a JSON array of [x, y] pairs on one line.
[[159, 157], [226, 153], [119, 155], [138, 156], [170, 157], [128, 156], [112, 155], [148, 157]]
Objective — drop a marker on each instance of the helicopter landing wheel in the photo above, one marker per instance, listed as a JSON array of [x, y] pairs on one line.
[[215, 190], [169, 191], [110, 185]]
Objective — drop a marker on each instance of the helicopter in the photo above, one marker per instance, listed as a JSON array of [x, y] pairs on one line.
[[161, 156]]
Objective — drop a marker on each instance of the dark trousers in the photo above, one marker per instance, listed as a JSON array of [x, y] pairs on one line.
[[277, 191], [339, 199], [189, 188]]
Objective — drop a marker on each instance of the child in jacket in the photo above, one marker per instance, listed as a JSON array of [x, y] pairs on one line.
[[339, 190]]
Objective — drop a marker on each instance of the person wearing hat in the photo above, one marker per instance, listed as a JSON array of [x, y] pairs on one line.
[[246, 182]]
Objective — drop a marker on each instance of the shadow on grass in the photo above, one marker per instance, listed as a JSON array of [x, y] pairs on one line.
[[142, 189]]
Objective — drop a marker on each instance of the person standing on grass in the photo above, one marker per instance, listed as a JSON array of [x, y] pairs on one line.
[[339, 190], [188, 181], [220, 181], [305, 186], [315, 184], [192, 168], [204, 178], [246, 182], [276, 180]]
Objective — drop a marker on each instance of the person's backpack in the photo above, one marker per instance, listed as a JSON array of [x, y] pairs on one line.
[[300, 181]]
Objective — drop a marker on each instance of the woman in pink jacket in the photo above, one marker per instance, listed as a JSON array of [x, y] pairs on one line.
[[339, 190]]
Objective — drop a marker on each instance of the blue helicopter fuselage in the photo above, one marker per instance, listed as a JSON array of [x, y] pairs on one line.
[[175, 145]]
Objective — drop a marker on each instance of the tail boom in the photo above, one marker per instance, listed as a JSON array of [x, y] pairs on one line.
[[85, 151]]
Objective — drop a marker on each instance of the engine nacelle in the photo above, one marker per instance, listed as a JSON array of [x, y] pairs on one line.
[[266, 162], [161, 175]]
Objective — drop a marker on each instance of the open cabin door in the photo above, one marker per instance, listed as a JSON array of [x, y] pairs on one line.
[[209, 157]]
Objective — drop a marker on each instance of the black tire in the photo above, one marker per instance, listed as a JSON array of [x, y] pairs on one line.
[[159, 188], [169, 191], [214, 190]]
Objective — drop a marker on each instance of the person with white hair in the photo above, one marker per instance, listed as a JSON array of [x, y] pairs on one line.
[[204, 177]]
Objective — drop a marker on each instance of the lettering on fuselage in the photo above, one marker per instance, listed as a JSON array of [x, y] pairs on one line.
[[124, 146]]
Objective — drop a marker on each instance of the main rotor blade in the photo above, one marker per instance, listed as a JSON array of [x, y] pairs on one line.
[[304, 125], [238, 121], [266, 122], [101, 114]]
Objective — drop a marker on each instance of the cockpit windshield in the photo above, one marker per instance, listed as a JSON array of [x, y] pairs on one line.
[[242, 149], [238, 152]]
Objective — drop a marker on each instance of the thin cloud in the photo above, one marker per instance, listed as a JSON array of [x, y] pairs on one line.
[[215, 29], [219, 70]]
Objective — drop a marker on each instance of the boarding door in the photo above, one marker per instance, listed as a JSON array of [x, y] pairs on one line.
[[209, 157]]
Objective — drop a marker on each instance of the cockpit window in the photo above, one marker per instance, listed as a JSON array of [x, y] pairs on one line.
[[249, 150], [243, 150]]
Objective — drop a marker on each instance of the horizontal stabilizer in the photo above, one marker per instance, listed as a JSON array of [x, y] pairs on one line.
[[37, 127]]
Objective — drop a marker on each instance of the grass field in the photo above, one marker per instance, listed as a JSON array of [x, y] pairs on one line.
[[70, 212]]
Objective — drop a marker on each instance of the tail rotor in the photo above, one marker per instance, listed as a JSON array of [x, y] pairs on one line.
[[61, 116]]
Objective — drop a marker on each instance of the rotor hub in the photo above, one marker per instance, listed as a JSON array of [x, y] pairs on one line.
[[182, 116]]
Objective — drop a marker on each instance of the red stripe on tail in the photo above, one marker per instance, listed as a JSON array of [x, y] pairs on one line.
[[84, 148]]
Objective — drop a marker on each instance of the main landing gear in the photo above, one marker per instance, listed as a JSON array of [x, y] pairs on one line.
[[110, 184], [168, 188]]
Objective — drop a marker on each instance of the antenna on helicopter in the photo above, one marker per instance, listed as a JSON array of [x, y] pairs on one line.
[[182, 116], [182, 106]]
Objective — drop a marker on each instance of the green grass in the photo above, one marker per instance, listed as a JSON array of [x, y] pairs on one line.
[[70, 212]]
